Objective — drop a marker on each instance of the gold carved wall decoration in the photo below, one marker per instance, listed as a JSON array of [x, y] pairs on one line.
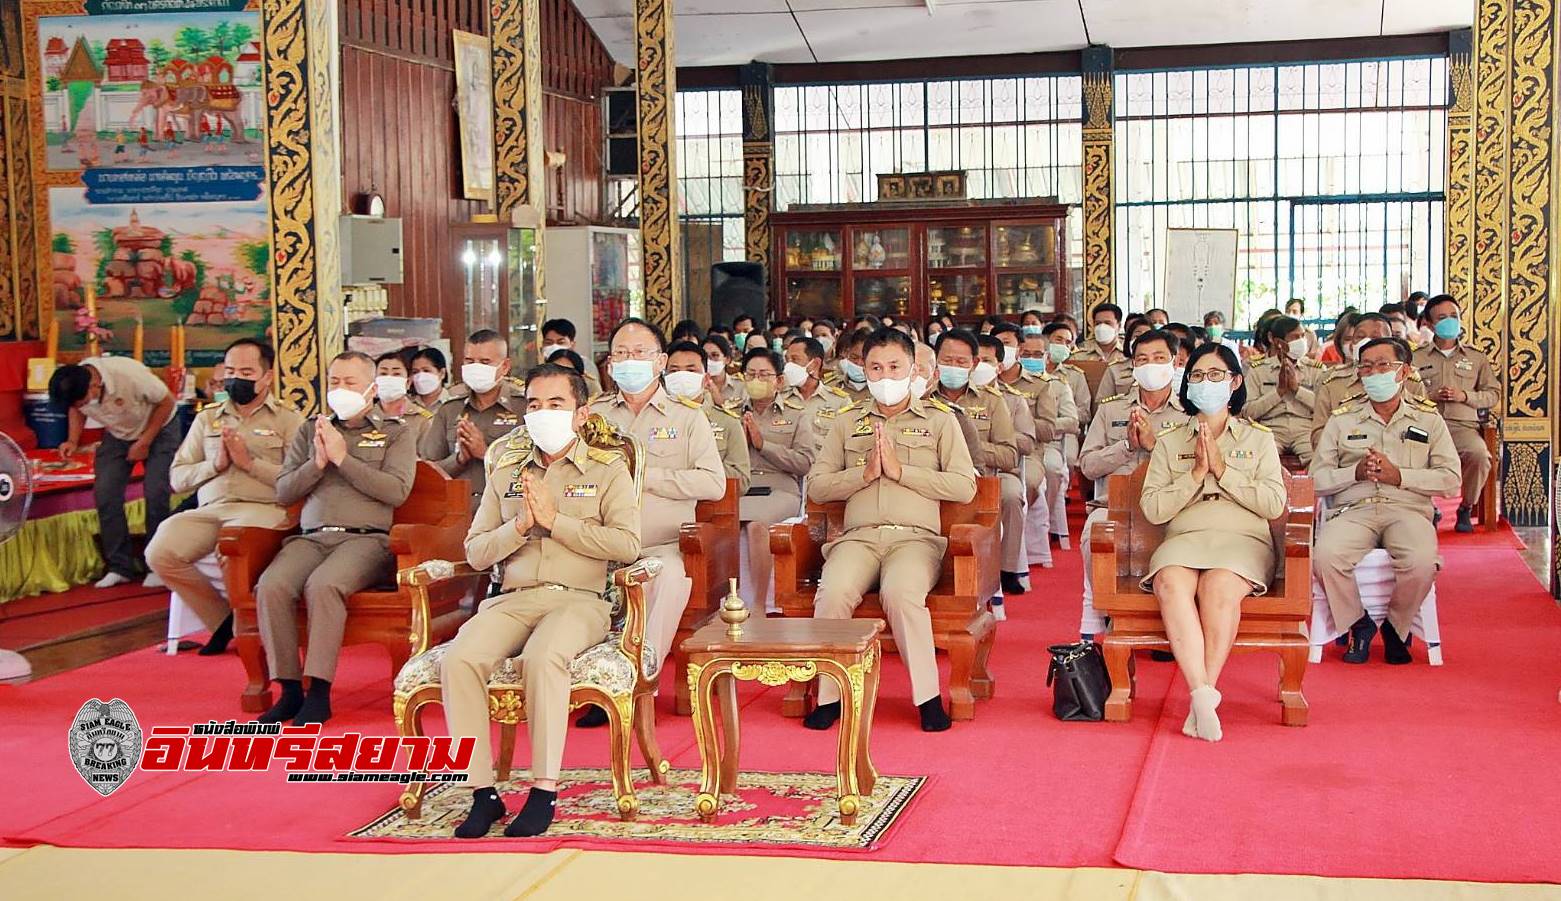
[[11, 168], [31, 251], [758, 185], [516, 35], [657, 86], [1458, 212], [1488, 316], [1099, 193], [1530, 167], [1524, 495]]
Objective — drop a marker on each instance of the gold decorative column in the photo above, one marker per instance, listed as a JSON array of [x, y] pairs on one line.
[[758, 162], [303, 136], [1458, 215], [19, 295], [519, 118], [656, 73], [1099, 190], [1515, 248]]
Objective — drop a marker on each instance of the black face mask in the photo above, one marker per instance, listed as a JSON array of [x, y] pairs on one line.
[[240, 391]]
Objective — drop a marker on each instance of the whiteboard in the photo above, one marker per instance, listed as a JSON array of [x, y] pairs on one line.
[[1200, 274]]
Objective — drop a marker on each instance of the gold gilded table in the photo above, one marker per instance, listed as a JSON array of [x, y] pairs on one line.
[[775, 652]]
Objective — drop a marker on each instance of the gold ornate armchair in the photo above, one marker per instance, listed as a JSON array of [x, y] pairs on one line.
[[618, 675]]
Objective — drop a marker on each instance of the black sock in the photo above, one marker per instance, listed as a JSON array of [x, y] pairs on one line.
[[286, 707], [486, 810], [593, 717], [933, 717], [219, 639], [317, 705], [823, 716], [535, 816]]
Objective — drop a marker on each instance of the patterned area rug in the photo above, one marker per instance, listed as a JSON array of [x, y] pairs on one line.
[[773, 809]]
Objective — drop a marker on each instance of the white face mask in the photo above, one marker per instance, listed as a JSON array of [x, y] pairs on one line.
[[1176, 379], [390, 388], [794, 375], [983, 374], [1298, 348], [919, 386], [1354, 350], [1153, 376], [549, 349], [685, 384], [828, 344], [425, 382], [1105, 333], [1010, 357], [346, 403], [480, 377], [715, 367], [552, 430], [890, 392]]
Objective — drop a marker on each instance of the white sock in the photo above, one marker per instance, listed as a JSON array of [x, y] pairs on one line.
[[1205, 703]]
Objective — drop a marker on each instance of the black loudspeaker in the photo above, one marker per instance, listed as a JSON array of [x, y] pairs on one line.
[[736, 289]]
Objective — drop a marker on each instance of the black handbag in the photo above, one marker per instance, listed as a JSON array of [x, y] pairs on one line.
[[1079, 681]]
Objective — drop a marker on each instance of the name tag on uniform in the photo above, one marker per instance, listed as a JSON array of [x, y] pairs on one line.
[[663, 432], [718, 430], [1239, 454], [265, 433], [1463, 364], [366, 442], [1417, 434], [915, 432], [506, 419], [780, 422], [1356, 436], [579, 491], [863, 427], [515, 489], [1118, 423], [979, 415], [1187, 456]]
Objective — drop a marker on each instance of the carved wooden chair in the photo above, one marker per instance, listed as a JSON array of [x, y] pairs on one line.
[[961, 623], [709, 546], [1489, 512], [430, 524], [1120, 548], [1094, 372], [618, 675]]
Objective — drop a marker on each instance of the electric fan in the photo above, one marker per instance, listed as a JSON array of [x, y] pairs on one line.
[[16, 492]]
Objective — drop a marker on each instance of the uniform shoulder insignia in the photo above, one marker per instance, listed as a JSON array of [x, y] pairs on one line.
[[1344, 407], [1257, 425], [938, 404], [1107, 400], [1169, 429], [423, 412], [1069, 365], [1424, 403], [1257, 358], [602, 455], [689, 402], [848, 408], [210, 405], [838, 392], [733, 408], [794, 403]]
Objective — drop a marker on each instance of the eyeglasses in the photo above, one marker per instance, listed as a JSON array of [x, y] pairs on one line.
[[638, 353], [1378, 368], [1208, 375]]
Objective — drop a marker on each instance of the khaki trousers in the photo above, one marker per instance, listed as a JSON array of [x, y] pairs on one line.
[[1090, 621], [1057, 478], [549, 627], [323, 569], [905, 565], [666, 597], [759, 512], [186, 538], [1011, 519], [1409, 538], [1294, 437], [1474, 457]]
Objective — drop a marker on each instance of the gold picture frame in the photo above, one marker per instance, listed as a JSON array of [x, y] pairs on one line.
[[947, 184], [474, 114]]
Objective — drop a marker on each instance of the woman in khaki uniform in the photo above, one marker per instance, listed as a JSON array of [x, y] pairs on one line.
[[725, 388], [1215, 483], [781, 448], [392, 394]]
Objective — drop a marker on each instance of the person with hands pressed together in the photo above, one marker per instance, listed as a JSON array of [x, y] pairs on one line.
[[726, 391], [1380, 462], [351, 469], [1461, 381], [137, 413], [231, 458], [1215, 483], [688, 382], [555, 515], [892, 465], [1282, 388], [782, 444], [483, 409]]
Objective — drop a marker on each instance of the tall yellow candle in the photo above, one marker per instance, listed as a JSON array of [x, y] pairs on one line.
[[140, 340], [178, 356], [92, 311], [54, 339]]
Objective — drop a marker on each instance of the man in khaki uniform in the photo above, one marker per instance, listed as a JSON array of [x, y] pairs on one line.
[[351, 470], [783, 441], [231, 456], [682, 468], [1102, 344], [1341, 384], [1121, 437], [1460, 380], [802, 375], [556, 514], [136, 411], [892, 465], [1380, 462], [687, 381], [1281, 388], [485, 408], [850, 365], [968, 383], [559, 334]]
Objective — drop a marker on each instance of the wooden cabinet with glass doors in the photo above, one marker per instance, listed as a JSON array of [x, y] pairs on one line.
[[969, 260]]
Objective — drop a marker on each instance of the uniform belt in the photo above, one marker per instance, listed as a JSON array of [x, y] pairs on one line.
[[1374, 499], [899, 528], [1210, 497], [350, 530]]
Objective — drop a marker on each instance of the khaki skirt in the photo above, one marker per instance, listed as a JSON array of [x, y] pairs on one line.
[[1217, 534]]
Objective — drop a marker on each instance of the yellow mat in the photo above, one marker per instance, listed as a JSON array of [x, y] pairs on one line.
[[126, 875]]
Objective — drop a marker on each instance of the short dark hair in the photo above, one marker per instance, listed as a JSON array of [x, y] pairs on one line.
[[991, 343], [1280, 326], [488, 336], [853, 338], [1172, 343], [721, 344], [963, 336], [1180, 330], [761, 351], [576, 361], [1388, 309], [686, 328], [1111, 308], [810, 346], [1400, 348], [68, 385], [1158, 310], [1299, 301], [1371, 317], [689, 347], [1036, 313], [391, 355], [661, 340], [1238, 396], [1437, 301], [888, 337], [560, 327], [267, 355], [1008, 328], [739, 318], [1057, 325], [1416, 296], [433, 355], [577, 385]]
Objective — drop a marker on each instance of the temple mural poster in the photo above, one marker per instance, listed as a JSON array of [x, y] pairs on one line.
[[161, 115]]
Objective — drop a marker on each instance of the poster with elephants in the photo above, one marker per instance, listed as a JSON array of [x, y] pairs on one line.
[[160, 114]]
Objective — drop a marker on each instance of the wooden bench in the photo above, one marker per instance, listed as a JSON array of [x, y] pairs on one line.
[[430, 525], [961, 624], [1120, 548], [709, 546]]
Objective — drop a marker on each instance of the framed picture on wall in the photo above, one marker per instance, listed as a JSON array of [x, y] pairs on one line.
[[474, 113]]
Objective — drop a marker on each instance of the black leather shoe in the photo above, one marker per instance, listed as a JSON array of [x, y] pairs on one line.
[[1394, 649], [593, 718], [1436, 516], [1011, 583], [1361, 635], [1465, 524], [1162, 656]]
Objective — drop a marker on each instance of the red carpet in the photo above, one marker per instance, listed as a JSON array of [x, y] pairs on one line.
[[1404, 772]]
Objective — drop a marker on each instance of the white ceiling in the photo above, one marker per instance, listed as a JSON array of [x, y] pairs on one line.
[[732, 32]]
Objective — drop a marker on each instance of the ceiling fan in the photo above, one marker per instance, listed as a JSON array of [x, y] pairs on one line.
[[16, 491]]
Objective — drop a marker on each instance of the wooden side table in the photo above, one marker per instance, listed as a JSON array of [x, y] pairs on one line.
[[775, 652]]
